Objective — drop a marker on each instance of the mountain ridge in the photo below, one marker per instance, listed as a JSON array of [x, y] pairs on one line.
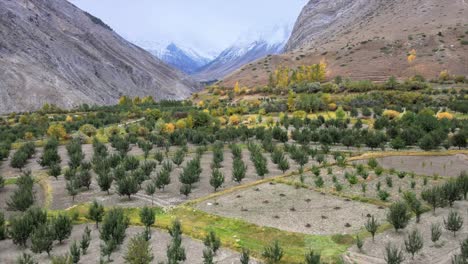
[[58, 54], [371, 40]]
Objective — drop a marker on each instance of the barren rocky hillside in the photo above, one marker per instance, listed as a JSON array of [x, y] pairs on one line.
[[51, 51], [371, 40]]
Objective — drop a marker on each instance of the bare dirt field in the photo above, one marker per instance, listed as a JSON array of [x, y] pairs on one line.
[[426, 165], [297, 210], [441, 253], [159, 241]]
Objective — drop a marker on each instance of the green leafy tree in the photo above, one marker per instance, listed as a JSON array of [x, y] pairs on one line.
[[147, 217], [283, 164], [75, 252], [150, 190], [104, 180], [42, 239], [20, 229], [185, 189], [217, 179], [62, 227], [450, 192], [163, 179], [175, 252], [414, 242], [23, 197], [433, 197], [398, 215], [85, 240], [414, 204], [55, 170], [96, 212], [178, 157], [113, 226], [138, 251], [128, 186], [239, 170]]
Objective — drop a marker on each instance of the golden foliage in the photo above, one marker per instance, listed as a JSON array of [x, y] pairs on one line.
[[69, 119], [57, 130], [169, 128], [412, 56], [445, 115], [234, 120], [392, 114]]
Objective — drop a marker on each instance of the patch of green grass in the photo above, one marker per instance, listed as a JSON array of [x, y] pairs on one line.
[[234, 233]]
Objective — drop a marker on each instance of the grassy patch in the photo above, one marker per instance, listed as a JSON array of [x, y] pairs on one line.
[[234, 233]]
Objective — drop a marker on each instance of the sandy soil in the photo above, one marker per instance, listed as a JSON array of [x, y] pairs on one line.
[[447, 246], [159, 241], [427, 165], [297, 210]]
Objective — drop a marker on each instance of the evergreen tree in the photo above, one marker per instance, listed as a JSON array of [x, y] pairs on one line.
[[239, 170], [245, 256], [62, 227], [207, 256], [398, 215], [85, 240], [138, 251], [75, 252], [372, 226], [312, 258], [454, 222], [42, 239], [273, 253], [393, 255], [96, 212], [25, 258], [414, 242], [128, 186], [20, 229], [283, 164], [217, 179], [436, 232], [175, 251], [414, 204], [113, 226], [104, 180], [433, 197], [212, 242], [163, 179], [147, 217], [150, 190]]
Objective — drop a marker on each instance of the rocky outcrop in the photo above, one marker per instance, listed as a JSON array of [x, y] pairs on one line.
[[53, 52]]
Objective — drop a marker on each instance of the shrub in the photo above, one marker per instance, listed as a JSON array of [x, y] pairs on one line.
[[398, 215]]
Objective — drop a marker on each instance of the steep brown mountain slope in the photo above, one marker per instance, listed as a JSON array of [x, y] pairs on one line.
[[51, 51], [370, 39]]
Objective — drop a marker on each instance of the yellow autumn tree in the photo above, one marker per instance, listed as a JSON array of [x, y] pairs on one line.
[[445, 115], [169, 128], [237, 89], [57, 130], [291, 101], [69, 119], [234, 120], [412, 56]]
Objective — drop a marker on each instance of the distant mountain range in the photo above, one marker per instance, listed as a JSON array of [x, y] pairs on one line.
[[182, 58], [206, 67], [236, 56]]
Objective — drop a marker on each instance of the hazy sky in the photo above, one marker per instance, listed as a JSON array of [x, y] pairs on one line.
[[205, 25]]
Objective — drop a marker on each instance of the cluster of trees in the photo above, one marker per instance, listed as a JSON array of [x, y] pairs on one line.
[[42, 231], [23, 197], [257, 158], [22, 155], [285, 77], [448, 193]]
